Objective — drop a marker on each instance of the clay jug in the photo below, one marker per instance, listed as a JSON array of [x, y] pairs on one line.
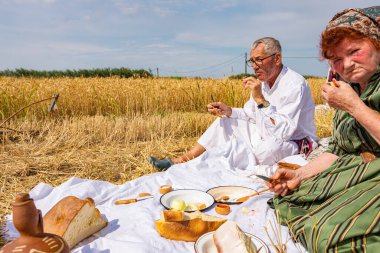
[[27, 219]]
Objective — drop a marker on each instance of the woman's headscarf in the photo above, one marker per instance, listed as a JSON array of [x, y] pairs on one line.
[[365, 21]]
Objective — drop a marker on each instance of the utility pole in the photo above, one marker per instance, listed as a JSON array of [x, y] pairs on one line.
[[157, 73], [245, 63]]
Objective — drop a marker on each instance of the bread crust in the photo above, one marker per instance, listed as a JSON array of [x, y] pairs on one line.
[[63, 214], [188, 230]]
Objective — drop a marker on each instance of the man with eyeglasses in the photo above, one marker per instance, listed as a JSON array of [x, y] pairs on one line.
[[276, 122]]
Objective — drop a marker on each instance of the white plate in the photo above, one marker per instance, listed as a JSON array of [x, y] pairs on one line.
[[205, 244], [233, 192], [189, 196]]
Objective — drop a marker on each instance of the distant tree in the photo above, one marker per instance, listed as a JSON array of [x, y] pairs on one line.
[[98, 72], [241, 76]]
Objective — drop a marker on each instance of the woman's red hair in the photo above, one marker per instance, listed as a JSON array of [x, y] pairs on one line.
[[331, 38]]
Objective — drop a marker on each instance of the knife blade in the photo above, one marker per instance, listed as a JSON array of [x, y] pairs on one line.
[[129, 201], [265, 178]]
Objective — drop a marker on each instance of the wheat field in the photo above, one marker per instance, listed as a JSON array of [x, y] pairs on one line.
[[105, 128]]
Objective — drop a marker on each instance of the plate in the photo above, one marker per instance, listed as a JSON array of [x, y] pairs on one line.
[[191, 197], [233, 193], [205, 244]]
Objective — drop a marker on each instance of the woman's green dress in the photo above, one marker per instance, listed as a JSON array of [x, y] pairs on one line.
[[338, 210]]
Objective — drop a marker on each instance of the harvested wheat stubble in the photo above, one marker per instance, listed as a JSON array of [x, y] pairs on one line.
[[105, 128]]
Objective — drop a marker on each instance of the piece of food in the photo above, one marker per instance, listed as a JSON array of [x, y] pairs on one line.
[[178, 204], [195, 206], [165, 188], [223, 198], [229, 238], [144, 194], [192, 226], [191, 207], [73, 219], [201, 206], [222, 209], [173, 215], [332, 83]]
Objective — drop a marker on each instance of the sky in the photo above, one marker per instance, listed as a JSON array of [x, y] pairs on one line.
[[204, 38]]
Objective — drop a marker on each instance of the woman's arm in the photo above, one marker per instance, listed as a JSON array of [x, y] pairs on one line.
[[369, 119], [320, 164], [343, 97], [286, 180]]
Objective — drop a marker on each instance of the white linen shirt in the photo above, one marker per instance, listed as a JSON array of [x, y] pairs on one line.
[[290, 114]]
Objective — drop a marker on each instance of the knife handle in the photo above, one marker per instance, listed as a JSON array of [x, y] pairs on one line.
[[242, 199], [125, 201]]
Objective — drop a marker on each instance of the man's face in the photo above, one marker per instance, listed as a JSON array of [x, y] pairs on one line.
[[264, 66]]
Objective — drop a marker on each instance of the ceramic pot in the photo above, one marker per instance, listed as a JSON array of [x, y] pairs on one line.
[[27, 219]]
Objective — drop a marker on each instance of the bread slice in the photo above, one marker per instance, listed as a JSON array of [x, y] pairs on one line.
[[73, 219], [173, 215], [229, 238], [190, 228]]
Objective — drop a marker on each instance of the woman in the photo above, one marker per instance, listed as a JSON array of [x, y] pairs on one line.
[[333, 203]]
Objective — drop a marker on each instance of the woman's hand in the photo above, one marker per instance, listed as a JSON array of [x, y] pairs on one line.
[[219, 109], [340, 95], [285, 181]]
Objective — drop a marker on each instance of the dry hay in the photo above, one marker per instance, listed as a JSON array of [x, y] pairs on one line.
[[104, 137]]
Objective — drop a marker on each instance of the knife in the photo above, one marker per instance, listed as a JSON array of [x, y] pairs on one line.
[[265, 178], [129, 201]]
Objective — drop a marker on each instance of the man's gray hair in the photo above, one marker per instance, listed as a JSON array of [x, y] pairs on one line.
[[271, 45]]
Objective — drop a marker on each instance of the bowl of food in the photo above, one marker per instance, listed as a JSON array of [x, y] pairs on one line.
[[187, 200]]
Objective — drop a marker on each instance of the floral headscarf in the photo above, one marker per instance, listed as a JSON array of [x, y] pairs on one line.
[[365, 21]]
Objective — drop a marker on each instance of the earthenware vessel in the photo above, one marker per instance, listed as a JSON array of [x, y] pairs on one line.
[[27, 219]]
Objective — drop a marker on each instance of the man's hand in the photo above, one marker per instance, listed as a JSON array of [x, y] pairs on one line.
[[340, 95], [254, 85], [285, 181], [218, 109]]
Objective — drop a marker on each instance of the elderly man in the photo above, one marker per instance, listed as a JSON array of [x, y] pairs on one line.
[[276, 122]]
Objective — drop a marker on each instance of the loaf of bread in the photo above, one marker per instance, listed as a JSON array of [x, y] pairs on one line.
[[73, 219], [189, 227], [229, 238]]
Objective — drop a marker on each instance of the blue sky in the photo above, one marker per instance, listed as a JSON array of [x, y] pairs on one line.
[[205, 38]]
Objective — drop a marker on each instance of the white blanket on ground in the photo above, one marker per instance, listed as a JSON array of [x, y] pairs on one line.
[[131, 227]]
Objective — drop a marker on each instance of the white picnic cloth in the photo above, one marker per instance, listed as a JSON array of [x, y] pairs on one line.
[[131, 227]]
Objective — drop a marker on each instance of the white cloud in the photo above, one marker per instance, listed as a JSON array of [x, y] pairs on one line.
[[127, 8], [30, 1], [163, 12], [177, 35], [158, 46], [76, 48]]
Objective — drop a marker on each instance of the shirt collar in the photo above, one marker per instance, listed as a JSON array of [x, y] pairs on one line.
[[266, 85]]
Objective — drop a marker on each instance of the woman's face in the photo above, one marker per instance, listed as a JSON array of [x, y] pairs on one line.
[[355, 60]]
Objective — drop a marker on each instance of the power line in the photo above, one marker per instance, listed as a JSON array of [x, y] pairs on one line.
[[206, 68], [218, 66], [301, 57]]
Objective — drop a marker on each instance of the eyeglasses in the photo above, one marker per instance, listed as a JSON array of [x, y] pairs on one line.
[[258, 61]]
